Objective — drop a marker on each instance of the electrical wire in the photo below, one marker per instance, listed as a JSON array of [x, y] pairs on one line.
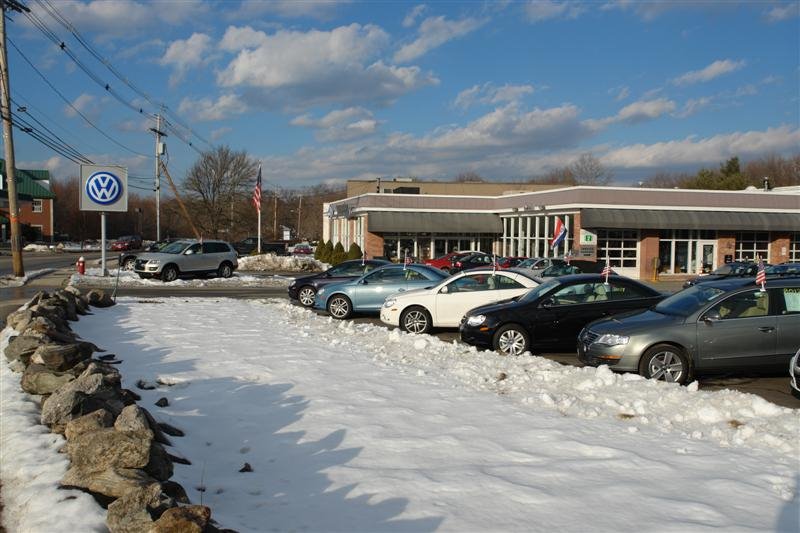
[[55, 138], [64, 98]]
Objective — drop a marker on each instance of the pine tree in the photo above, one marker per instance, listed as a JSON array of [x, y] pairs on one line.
[[354, 252], [338, 254]]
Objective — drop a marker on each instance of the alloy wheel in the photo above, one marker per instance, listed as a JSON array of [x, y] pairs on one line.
[[306, 296], [415, 321], [339, 307], [666, 366], [511, 342]]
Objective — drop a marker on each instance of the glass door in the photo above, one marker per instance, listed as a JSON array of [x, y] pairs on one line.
[[706, 256]]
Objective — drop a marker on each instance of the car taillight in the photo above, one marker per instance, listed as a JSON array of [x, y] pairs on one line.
[[458, 264]]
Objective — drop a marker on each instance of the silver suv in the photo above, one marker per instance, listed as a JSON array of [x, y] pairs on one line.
[[188, 257]]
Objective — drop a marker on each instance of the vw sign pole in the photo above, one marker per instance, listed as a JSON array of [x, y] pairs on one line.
[[104, 189]]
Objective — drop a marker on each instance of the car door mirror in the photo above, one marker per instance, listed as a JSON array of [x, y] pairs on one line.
[[188, 252], [548, 303], [444, 290], [364, 282], [711, 317]]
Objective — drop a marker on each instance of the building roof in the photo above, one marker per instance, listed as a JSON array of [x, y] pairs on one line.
[[29, 184]]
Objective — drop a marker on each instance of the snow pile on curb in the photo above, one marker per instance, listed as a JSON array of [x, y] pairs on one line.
[[37, 248], [726, 417], [11, 281], [127, 278], [272, 262]]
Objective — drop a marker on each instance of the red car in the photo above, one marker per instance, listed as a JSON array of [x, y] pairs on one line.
[[302, 249], [445, 262], [127, 242], [508, 262]]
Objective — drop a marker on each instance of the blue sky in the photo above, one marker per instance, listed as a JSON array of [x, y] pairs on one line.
[[327, 91]]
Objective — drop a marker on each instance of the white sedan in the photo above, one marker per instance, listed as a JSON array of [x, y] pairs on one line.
[[443, 305]]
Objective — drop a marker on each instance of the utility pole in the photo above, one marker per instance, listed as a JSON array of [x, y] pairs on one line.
[[299, 212], [157, 179], [275, 215], [8, 140]]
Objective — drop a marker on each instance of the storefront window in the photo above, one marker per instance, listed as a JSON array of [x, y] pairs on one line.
[[751, 244], [619, 246], [794, 247]]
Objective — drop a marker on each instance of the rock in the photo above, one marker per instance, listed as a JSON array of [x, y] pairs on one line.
[[59, 356], [132, 418], [129, 397], [160, 465], [17, 366], [39, 379], [175, 491], [107, 357], [172, 431], [156, 428], [19, 320], [38, 298], [114, 482], [133, 512], [162, 402], [94, 421], [95, 451], [186, 519], [67, 301], [22, 348], [144, 385], [246, 468], [88, 392], [98, 298]]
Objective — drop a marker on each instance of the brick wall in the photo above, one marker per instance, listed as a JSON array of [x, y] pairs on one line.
[[779, 248], [27, 216], [648, 251], [373, 244], [726, 245]]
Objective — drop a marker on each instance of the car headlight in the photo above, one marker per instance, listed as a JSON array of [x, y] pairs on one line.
[[154, 262], [475, 320], [611, 339], [389, 302]]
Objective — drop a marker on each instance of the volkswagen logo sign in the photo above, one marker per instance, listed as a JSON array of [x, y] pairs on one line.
[[103, 188]]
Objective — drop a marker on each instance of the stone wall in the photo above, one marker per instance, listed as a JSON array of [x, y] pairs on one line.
[[118, 452]]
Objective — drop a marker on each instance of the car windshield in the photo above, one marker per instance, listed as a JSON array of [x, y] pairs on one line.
[[689, 300], [536, 292], [174, 247]]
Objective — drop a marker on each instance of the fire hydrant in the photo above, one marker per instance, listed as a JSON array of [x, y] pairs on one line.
[[81, 264]]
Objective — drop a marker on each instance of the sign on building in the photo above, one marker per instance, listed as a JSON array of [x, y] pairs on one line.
[[104, 188], [587, 246]]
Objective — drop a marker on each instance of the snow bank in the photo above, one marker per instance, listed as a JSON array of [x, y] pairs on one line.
[[272, 262], [36, 248], [127, 278], [13, 281], [32, 468]]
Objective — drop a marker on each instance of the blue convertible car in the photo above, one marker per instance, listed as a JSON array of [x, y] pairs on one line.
[[367, 293]]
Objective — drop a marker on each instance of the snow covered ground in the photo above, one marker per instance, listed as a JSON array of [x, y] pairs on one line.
[[12, 281], [353, 427]]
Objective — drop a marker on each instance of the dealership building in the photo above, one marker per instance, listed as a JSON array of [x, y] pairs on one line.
[[642, 232]]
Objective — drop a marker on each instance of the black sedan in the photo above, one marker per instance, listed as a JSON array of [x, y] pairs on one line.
[[737, 269], [550, 316], [476, 260], [305, 289]]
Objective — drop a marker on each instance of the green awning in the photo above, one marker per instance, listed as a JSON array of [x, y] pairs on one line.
[[395, 221], [685, 219]]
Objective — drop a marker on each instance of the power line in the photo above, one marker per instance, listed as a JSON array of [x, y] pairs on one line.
[[52, 135], [64, 98], [50, 9]]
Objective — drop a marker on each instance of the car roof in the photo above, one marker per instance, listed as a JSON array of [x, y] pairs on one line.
[[728, 284]]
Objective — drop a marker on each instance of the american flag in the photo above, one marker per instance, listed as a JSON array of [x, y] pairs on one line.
[[257, 191], [606, 270], [761, 275]]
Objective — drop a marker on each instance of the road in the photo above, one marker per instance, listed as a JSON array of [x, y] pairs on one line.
[[32, 261], [773, 387]]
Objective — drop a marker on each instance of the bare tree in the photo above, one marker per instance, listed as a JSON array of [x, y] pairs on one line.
[[469, 177], [214, 184], [588, 170]]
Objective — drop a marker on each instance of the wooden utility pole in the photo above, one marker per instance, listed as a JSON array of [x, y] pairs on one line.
[[275, 215], [299, 213], [8, 140]]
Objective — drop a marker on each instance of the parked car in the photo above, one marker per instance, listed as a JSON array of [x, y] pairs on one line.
[[578, 266], [794, 374], [782, 270], [305, 289], [128, 260], [508, 262], [550, 316], [250, 244], [302, 249], [367, 293], [538, 264], [443, 305], [445, 262], [474, 260], [720, 325], [736, 269], [127, 242], [188, 258]]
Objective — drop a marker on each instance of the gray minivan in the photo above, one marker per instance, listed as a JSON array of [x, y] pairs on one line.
[[188, 257]]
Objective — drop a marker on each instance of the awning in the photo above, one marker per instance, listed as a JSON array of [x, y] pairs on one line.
[[398, 222], [708, 220]]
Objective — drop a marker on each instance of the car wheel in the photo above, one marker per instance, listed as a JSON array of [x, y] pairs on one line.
[[306, 296], [128, 263], [511, 339], [170, 273], [339, 307], [664, 362], [415, 320], [225, 270]]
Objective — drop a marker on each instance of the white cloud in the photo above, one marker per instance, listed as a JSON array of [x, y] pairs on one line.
[[248, 9], [241, 38], [185, 54], [620, 93], [488, 94], [783, 11], [634, 113], [219, 133], [694, 106], [434, 32], [295, 70], [341, 125], [86, 104], [539, 10], [714, 70], [135, 126], [652, 9], [204, 109], [412, 16], [711, 150]]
